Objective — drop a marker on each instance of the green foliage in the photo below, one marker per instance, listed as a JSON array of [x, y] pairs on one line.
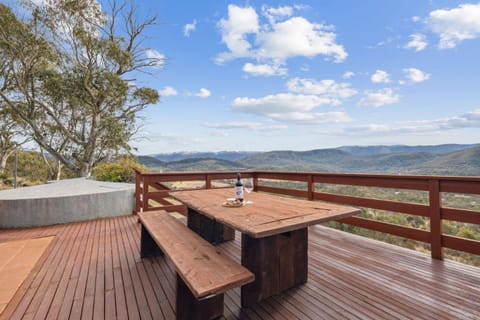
[[74, 94], [122, 170]]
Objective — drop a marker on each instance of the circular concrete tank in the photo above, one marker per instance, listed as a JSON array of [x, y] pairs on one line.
[[65, 201]]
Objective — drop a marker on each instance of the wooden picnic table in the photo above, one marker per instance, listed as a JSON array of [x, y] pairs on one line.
[[274, 234]]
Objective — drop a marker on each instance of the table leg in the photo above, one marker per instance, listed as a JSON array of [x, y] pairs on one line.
[[209, 229], [279, 262]]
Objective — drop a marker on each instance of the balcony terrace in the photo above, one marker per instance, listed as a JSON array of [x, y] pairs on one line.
[[93, 270]]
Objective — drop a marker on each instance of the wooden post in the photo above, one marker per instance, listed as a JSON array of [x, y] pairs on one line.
[[310, 187], [208, 182], [138, 191], [255, 181], [435, 219]]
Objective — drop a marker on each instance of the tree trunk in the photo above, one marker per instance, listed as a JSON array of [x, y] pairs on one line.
[[4, 159], [58, 170]]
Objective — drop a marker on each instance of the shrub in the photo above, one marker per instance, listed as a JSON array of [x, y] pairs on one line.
[[122, 170]]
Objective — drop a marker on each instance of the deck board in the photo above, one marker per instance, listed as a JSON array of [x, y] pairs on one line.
[[93, 270]]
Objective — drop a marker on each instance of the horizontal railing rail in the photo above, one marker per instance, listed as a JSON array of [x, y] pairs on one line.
[[152, 193]]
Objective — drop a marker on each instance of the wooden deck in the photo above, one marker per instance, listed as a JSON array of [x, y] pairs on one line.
[[93, 270]]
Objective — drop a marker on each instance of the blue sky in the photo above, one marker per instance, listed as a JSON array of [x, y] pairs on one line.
[[276, 75]]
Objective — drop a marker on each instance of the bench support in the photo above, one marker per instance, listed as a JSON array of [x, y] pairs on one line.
[[148, 247], [210, 230], [189, 308], [279, 262]]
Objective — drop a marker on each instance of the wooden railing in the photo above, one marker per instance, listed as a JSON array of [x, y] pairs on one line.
[[152, 193]]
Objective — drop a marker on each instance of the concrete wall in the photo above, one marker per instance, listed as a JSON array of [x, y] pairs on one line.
[[86, 200]]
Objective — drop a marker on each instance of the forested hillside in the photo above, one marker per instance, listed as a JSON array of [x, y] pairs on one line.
[[462, 162]]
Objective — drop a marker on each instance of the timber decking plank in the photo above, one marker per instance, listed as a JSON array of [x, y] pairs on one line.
[[99, 290], [131, 256], [132, 307], [349, 276], [57, 300], [110, 310], [120, 302], [89, 296], [66, 307], [79, 295], [404, 289], [44, 286], [143, 289]]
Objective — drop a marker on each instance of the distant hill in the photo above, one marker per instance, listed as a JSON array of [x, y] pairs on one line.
[[222, 155], [204, 164], [437, 149], [462, 162], [195, 164], [325, 158], [150, 162]]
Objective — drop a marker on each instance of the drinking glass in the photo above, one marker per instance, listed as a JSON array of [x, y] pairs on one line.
[[248, 186]]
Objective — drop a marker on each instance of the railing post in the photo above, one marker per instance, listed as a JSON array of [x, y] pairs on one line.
[[310, 187], [435, 219], [138, 191], [255, 181], [208, 181]]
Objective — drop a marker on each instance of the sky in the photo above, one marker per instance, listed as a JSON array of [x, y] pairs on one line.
[[281, 75]]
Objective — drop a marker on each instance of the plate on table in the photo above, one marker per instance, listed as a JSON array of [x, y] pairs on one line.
[[232, 203]]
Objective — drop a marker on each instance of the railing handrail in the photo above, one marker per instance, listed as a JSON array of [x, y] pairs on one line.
[[434, 210]]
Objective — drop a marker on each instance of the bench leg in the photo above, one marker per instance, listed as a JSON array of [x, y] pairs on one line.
[[189, 308], [148, 247]]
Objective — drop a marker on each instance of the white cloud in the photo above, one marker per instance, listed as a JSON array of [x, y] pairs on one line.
[[234, 29], [348, 75], [380, 76], [274, 14], [329, 89], [455, 25], [289, 107], [189, 28], [281, 37], [312, 118], [168, 91], [417, 42], [416, 18], [415, 75], [256, 126], [232, 125], [264, 70], [304, 39], [203, 93], [466, 120], [157, 56], [379, 98]]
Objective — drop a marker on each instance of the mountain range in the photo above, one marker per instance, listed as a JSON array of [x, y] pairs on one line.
[[447, 159]]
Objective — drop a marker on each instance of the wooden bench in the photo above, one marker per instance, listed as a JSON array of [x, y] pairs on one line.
[[203, 273]]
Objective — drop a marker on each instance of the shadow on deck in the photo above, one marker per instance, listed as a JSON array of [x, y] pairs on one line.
[[93, 270]]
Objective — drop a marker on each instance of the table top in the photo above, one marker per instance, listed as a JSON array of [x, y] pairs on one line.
[[266, 215]]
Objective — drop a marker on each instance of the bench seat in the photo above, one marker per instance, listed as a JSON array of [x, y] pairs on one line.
[[203, 273]]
